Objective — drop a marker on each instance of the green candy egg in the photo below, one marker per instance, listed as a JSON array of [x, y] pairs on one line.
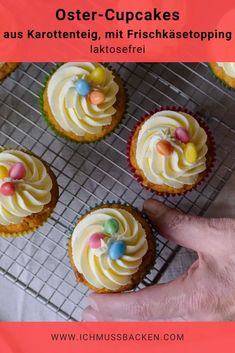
[[98, 76], [111, 226]]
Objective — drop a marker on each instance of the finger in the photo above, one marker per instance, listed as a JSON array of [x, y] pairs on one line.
[[197, 233], [158, 302], [91, 315]]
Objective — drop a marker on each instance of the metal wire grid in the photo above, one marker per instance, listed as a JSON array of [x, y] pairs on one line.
[[98, 172]]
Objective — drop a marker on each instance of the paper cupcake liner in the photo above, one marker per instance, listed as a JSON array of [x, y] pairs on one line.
[[222, 82], [31, 230], [121, 203], [26, 232], [211, 151], [60, 134]]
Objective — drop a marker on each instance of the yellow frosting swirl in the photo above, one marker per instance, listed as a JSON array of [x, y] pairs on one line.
[[1, 65], [94, 264], [31, 193], [75, 113], [228, 67], [174, 170]]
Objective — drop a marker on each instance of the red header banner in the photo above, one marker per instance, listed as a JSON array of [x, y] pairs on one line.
[[111, 30], [117, 337]]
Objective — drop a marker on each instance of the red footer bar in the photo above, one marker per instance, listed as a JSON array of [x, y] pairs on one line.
[[117, 337]]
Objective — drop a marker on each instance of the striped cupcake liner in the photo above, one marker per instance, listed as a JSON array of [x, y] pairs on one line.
[[26, 232]]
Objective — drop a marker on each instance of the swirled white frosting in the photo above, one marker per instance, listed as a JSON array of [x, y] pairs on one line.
[[228, 67], [174, 170], [75, 113], [31, 193], [95, 264]]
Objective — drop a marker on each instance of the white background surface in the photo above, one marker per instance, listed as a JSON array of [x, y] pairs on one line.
[[17, 305]]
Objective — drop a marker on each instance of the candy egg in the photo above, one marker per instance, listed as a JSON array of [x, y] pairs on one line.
[[98, 76], [96, 97], [82, 87], [3, 172], [182, 135], [7, 189], [165, 148], [95, 240], [190, 152], [117, 250], [111, 226], [17, 171]]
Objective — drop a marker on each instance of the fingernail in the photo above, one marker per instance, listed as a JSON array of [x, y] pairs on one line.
[[154, 208], [150, 207], [147, 206], [89, 318], [92, 302]]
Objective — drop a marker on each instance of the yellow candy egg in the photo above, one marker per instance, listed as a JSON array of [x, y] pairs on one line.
[[190, 152], [3, 172], [98, 76]]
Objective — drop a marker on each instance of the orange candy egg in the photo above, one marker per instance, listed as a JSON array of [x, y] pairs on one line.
[[96, 97], [165, 148]]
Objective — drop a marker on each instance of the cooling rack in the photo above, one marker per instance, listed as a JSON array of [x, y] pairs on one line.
[[89, 174]]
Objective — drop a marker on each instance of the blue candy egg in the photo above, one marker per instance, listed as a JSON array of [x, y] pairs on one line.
[[82, 87], [117, 249]]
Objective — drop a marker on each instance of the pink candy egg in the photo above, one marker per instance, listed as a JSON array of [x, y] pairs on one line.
[[182, 135], [7, 189], [17, 171], [95, 240], [96, 97]]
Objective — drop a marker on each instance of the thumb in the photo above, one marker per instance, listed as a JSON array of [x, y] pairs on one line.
[[158, 302], [200, 234]]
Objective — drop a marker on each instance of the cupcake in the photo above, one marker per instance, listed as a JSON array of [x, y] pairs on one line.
[[6, 69], [28, 192], [225, 72], [170, 151], [83, 101], [111, 248]]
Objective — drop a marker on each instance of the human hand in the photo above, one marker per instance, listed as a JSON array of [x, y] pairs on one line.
[[206, 292]]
